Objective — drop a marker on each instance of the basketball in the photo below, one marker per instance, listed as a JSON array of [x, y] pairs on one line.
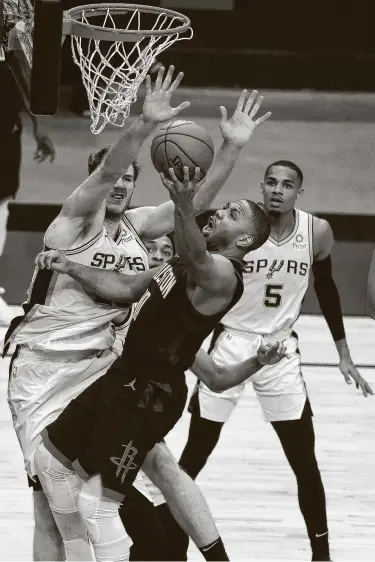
[[182, 143]]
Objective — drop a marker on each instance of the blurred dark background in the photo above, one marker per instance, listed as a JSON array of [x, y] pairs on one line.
[[290, 44]]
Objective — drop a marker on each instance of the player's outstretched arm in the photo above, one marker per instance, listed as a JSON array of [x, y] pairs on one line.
[[371, 288], [236, 132], [219, 379], [329, 301], [83, 212], [212, 273], [110, 285]]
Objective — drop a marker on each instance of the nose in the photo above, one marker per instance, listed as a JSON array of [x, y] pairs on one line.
[[158, 256], [277, 188], [219, 213]]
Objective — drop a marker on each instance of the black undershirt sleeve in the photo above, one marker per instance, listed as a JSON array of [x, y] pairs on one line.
[[328, 297]]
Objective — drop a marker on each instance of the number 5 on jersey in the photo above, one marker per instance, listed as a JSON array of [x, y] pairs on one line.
[[272, 295]]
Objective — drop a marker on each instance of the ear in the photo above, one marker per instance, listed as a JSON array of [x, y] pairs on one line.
[[299, 192], [244, 242], [262, 187]]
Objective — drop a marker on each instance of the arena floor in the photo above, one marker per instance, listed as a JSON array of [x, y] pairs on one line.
[[248, 484]]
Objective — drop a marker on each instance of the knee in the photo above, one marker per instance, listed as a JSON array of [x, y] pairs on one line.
[[161, 467], [60, 484]]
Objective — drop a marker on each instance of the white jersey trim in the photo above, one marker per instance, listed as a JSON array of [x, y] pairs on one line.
[[290, 236]]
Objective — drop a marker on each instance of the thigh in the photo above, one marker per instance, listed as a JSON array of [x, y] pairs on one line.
[[281, 390], [116, 448], [226, 349]]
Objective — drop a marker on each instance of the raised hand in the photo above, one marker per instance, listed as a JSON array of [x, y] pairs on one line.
[[157, 105], [53, 259], [269, 354], [182, 192], [240, 127]]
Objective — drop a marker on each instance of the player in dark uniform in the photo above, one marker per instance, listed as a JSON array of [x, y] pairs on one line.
[[112, 426], [11, 105]]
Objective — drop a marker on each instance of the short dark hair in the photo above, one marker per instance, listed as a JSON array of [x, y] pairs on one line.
[[286, 164], [262, 225], [171, 238], [96, 158]]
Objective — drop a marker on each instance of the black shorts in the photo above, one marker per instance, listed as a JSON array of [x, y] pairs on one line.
[[34, 484], [113, 424]]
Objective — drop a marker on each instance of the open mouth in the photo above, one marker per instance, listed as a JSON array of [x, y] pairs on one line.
[[276, 200], [210, 226], [118, 196]]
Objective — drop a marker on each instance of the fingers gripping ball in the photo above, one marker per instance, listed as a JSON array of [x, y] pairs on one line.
[[182, 143]]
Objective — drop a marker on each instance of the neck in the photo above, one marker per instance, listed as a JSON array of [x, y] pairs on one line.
[[112, 224], [282, 225]]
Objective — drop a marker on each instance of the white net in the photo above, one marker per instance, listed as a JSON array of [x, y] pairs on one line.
[[112, 71]]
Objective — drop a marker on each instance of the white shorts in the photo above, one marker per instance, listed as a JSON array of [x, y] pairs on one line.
[[280, 388], [41, 385]]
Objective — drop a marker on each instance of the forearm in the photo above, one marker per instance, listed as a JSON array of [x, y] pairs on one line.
[[189, 240], [217, 175], [218, 378], [329, 301], [111, 285], [126, 149]]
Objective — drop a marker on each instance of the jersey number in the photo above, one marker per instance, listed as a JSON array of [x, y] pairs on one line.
[[272, 296]]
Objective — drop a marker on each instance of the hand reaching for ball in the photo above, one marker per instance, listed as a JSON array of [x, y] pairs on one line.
[[182, 192], [240, 127], [157, 105]]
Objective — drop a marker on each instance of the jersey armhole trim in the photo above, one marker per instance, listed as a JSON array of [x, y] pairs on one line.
[[79, 249], [129, 225]]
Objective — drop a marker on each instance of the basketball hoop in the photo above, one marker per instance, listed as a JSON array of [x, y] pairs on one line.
[[113, 44], [116, 52]]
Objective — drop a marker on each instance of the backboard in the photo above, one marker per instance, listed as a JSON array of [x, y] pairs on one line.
[[33, 33]]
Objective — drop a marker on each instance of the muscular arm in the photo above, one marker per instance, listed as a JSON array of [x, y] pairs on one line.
[[83, 211], [211, 272], [154, 222], [110, 285], [218, 378], [324, 284]]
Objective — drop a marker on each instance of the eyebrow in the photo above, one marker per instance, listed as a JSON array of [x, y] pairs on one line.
[[284, 180]]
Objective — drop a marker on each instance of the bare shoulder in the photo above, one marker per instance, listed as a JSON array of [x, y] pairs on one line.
[[322, 238]]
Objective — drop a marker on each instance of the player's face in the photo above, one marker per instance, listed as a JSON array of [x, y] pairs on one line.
[[281, 188], [227, 225], [119, 198], [159, 251]]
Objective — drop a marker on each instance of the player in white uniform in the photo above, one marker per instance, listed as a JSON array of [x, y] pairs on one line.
[[66, 335], [276, 278]]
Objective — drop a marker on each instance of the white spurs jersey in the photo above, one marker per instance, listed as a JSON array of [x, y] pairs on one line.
[[276, 278], [60, 315]]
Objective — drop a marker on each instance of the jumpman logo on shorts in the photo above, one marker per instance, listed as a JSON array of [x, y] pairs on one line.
[[132, 384]]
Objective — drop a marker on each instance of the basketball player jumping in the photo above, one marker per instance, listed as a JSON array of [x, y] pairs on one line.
[[276, 277], [61, 319], [143, 394]]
